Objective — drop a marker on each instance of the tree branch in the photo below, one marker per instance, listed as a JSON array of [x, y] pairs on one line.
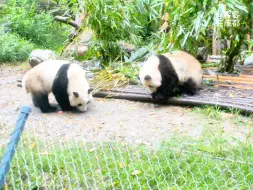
[[67, 20]]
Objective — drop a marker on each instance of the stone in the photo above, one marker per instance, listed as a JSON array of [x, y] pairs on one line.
[[248, 60], [40, 55]]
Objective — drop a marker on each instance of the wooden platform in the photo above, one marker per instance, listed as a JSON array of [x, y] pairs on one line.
[[221, 96], [227, 91]]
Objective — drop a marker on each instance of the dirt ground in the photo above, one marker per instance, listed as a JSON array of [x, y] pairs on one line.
[[106, 119]]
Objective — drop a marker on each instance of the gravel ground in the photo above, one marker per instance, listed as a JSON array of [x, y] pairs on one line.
[[105, 119]]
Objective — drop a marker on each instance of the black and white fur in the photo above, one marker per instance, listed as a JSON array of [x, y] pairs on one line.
[[65, 80], [171, 74]]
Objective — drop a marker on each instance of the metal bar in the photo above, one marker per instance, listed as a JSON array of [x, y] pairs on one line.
[[11, 147]]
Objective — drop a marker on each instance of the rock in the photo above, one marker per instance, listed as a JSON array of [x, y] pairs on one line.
[[80, 45], [39, 55], [202, 54], [214, 58], [248, 60], [126, 46]]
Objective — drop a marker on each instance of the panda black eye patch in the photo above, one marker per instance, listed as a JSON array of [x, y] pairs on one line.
[[79, 105], [150, 86]]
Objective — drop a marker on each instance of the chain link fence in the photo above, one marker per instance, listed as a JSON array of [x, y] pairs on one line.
[[51, 156]]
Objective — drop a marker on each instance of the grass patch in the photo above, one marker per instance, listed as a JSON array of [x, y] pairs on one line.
[[215, 112], [209, 65], [175, 164], [212, 112]]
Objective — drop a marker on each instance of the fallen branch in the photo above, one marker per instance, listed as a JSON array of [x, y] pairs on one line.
[[67, 20]]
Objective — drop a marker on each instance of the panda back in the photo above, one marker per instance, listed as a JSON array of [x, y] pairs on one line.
[[186, 66], [41, 77]]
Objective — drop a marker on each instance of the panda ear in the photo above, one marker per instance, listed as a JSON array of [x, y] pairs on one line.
[[90, 90], [76, 94]]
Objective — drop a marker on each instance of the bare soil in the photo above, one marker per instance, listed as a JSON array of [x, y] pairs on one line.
[[106, 119]]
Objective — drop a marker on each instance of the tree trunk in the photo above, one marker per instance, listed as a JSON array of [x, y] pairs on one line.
[[214, 48]]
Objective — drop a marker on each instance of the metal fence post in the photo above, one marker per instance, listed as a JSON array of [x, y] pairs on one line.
[[11, 147]]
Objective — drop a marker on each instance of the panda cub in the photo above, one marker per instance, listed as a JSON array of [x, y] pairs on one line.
[[171, 74], [67, 81]]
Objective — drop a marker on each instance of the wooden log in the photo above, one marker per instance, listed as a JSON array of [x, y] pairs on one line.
[[67, 20]]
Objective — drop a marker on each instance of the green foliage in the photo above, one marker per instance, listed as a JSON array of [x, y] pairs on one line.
[[190, 21], [128, 70], [38, 27], [13, 48], [115, 20], [176, 164], [146, 13], [110, 21], [235, 31], [137, 55]]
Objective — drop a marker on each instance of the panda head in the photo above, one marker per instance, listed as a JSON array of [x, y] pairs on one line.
[[150, 75], [81, 99]]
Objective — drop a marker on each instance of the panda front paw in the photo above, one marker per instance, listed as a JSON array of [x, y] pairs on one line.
[[48, 109], [158, 96]]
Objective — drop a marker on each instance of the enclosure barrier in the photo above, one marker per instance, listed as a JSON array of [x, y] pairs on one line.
[[56, 152], [11, 147]]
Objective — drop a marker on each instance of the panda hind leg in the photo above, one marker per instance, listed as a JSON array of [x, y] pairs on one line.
[[189, 87], [35, 103], [41, 100]]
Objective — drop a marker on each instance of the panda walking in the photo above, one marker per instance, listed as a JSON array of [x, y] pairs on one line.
[[65, 80], [168, 74]]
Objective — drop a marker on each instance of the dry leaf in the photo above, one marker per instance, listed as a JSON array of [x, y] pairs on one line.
[[33, 145], [132, 108], [116, 82], [116, 183], [231, 95], [45, 153], [92, 150], [136, 172], [122, 165]]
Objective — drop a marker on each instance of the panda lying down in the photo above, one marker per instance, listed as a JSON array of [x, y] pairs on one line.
[[171, 74], [66, 80]]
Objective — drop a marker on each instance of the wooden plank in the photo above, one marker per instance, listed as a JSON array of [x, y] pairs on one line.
[[229, 78], [236, 86], [221, 96], [175, 101]]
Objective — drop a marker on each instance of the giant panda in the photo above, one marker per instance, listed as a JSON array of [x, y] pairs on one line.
[[171, 74], [66, 80]]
